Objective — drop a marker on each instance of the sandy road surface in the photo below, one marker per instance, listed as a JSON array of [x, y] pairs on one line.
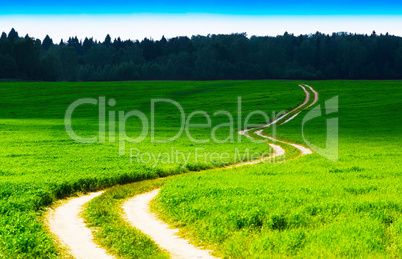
[[66, 223]]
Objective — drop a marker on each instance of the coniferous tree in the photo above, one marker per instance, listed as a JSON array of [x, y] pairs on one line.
[[108, 41], [47, 42], [12, 35]]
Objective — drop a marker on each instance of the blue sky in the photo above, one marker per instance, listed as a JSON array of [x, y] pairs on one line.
[[61, 19], [229, 7]]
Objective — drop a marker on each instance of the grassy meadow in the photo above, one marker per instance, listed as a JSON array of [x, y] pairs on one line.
[[40, 163], [310, 206]]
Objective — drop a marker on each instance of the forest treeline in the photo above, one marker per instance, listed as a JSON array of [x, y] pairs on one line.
[[234, 56]]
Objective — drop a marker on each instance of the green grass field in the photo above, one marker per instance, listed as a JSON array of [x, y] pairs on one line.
[[306, 207], [40, 163]]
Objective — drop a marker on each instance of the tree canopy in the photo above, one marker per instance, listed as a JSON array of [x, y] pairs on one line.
[[234, 56]]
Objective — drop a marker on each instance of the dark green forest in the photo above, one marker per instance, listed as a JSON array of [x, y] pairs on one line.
[[235, 56]]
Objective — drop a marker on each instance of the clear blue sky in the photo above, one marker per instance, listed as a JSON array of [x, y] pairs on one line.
[[232, 7], [153, 18]]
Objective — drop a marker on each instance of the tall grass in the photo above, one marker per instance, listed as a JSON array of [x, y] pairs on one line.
[[40, 163]]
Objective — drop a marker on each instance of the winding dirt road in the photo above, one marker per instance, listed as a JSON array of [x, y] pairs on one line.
[[70, 229], [258, 130], [138, 213]]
